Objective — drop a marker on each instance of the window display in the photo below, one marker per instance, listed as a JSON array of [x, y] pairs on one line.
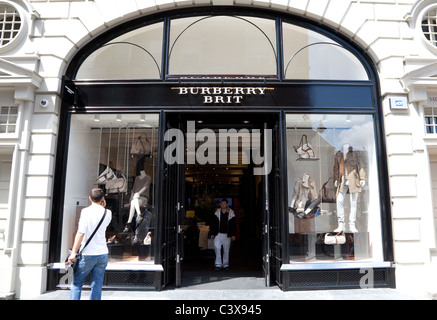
[[334, 211], [118, 153]]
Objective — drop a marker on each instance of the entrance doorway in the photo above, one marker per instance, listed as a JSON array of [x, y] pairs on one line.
[[231, 177]]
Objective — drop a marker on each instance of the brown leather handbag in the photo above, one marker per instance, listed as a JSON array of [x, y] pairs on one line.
[[328, 192]]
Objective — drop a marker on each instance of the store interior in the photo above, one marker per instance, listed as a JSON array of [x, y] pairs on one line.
[[205, 186]]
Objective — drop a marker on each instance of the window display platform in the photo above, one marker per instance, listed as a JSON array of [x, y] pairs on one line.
[[309, 247], [138, 275], [337, 275]]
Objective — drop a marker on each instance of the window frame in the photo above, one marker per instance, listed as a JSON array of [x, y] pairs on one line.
[[15, 134], [341, 41]]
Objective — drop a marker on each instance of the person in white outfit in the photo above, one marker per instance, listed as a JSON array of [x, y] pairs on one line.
[[223, 230], [95, 255]]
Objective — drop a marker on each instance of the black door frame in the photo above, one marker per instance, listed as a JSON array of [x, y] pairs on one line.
[[271, 216], [171, 209]]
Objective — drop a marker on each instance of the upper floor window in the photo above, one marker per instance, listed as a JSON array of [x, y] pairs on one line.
[[133, 55], [429, 26], [430, 119], [313, 56], [10, 24], [8, 119], [223, 46]]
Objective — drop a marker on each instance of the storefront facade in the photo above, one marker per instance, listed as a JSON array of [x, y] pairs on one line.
[[302, 120]]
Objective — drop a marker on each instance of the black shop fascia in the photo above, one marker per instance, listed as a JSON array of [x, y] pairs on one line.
[[169, 95]]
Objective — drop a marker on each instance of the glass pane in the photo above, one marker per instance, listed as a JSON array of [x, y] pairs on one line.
[[311, 56], [134, 55], [12, 119], [117, 153], [223, 45], [333, 186]]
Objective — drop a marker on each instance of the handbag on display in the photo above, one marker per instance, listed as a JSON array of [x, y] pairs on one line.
[[148, 239], [117, 185], [141, 145], [79, 254], [328, 192], [105, 176], [335, 239], [304, 149]]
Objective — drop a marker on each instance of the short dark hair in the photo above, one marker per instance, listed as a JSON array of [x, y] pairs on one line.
[[224, 199], [97, 195]]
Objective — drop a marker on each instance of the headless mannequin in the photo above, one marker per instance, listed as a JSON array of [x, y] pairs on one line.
[[342, 194], [140, 197]]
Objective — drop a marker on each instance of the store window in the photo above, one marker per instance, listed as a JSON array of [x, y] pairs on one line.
[[217, 45], [116, 152], [8, 119], [333, 188], [309, 55], [134, 55]]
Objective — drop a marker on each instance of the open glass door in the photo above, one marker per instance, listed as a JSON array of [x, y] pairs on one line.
[[172, 200], [272, 197], [266, 205]]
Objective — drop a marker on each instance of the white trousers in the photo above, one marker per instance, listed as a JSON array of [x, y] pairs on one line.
[[220, 240], [353, 206]]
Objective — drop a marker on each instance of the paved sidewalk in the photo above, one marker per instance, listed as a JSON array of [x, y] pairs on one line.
[[241, 288], [258, 294]]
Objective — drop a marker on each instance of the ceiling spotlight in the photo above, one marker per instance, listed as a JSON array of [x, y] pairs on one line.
[[118, 117], [97, 117], [142, 117]]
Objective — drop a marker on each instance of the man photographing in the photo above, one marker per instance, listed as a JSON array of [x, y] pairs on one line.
[[95, 254]]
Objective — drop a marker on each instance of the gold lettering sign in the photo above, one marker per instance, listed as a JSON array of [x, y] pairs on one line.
[[222, 95]]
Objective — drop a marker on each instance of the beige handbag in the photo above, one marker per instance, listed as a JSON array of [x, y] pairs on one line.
[[105, 176], [141, 145], [335, 239], [118, 185], [304, 149]]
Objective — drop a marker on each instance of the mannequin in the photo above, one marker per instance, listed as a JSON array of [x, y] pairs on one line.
[[139, 196], [349, 175], [305, 199]]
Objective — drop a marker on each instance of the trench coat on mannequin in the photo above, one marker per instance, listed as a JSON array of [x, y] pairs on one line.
[[353, 164]]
